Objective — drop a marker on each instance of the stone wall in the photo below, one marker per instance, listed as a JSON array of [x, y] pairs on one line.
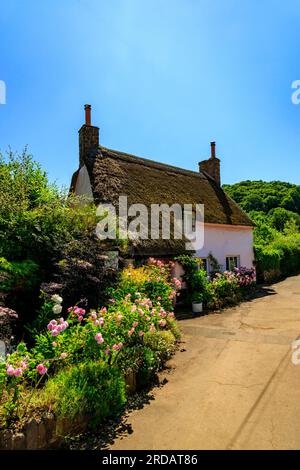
[[48, 432]]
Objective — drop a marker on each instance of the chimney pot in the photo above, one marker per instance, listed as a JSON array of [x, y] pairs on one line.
[[213, 150], [87, 108]]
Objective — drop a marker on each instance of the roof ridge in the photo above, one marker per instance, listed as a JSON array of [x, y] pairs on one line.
[[150, 163]]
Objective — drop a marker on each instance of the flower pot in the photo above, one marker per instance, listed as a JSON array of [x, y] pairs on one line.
[[197, 307]]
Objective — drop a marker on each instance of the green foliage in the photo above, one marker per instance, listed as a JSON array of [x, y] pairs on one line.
[[92, 389], [47, 236], [279, 217], [268, 258], [162, 342], [18, 275], [264, 234], [223, 290], [195, 278], [275, 208], [78, 362], [153, 280], [289, 249], [44, 315], [264, 196]]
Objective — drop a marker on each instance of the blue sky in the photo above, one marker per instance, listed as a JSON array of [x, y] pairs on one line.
[[164, 78]]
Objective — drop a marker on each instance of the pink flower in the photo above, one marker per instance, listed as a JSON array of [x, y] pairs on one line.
[[130, 331], [63, 355], [54, 333], [162, 322], [101, 321], [141, 312], [96, 322], [119, 317], [94, 316], [135, 324], [107, 351], [80, 318], [116, 347], [54, 344], [18, 372], [152, 328], [171, 314], [41, 369], [141, 333], [10, 370], [133, 308], [99, 338]]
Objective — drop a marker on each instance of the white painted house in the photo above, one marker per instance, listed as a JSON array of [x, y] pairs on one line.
[[105, 174]]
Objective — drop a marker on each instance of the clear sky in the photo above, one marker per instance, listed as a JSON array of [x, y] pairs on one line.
[[164, 78]]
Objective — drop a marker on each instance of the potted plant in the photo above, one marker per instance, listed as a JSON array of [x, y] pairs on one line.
[[197, 302]]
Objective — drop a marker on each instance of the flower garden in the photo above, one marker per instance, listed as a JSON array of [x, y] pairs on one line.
[[79, 362]]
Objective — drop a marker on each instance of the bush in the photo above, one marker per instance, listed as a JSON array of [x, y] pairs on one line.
[[19, 281], [153, 280], [47, 236], [163, 342], [282, 257], [89, 389], [195, 278], [289, 249]]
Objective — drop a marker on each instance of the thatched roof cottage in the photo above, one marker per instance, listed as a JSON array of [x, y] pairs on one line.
[[105, 174]]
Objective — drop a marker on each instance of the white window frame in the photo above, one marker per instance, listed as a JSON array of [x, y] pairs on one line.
[[238, 258]]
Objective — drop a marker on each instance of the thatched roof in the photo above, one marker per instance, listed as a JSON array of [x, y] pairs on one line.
[[113, 173]]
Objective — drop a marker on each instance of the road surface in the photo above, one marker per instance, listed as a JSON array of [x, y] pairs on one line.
[[234, 386]]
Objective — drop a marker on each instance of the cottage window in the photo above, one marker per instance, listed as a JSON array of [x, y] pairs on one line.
[[232, 262]]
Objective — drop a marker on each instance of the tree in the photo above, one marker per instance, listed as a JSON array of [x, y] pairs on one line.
[[279, 217]]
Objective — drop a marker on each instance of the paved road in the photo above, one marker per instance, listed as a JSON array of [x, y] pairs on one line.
[[234, 387]]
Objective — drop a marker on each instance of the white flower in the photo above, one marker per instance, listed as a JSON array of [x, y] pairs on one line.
[[57, 308], [57, 299]]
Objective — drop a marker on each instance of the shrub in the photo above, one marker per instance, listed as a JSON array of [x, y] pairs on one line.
[[163, 342], [153, 280], [195, 278], [267, 261], [19, 281], [223, 290], [289, 249], [89, 389]]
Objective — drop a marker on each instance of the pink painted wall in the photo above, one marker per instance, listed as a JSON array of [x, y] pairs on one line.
[[227, 240]]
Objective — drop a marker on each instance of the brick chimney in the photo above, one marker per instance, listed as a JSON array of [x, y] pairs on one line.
[[212, 165], [88, 136]]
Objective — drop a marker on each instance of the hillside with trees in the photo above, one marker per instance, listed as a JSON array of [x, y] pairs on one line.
[[275, 208]]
